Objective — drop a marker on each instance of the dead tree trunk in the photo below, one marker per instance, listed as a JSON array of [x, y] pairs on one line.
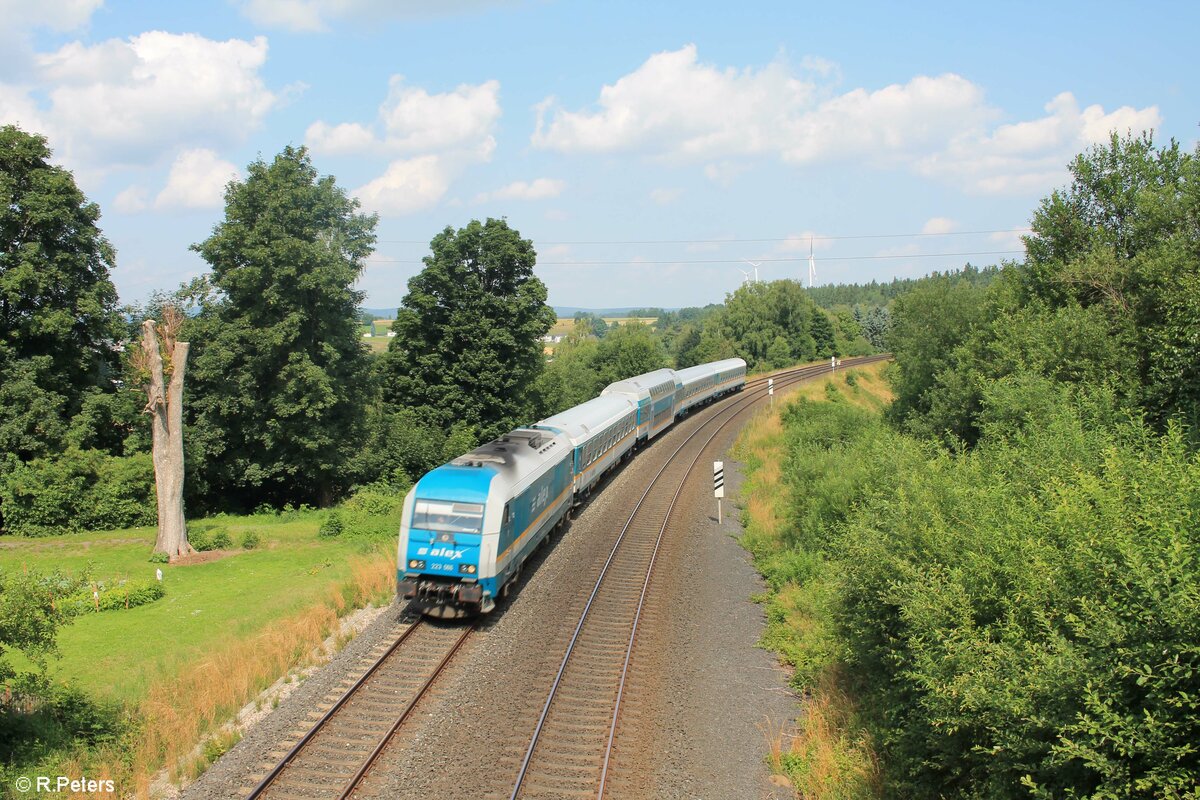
[[165, 407]]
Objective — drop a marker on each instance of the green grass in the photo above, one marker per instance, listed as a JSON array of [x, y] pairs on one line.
[[118, 654]]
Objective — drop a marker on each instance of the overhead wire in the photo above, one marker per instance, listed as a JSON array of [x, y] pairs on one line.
[[790, 259], [794, 238]]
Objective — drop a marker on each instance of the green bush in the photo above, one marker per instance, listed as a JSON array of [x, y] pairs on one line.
[[332, 526], [79, 490], [117, 596], [1024, 619], [374, 500], [250, 540], [221, 540], [159, 558]]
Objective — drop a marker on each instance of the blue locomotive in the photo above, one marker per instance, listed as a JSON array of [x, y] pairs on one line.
[[468, 526]]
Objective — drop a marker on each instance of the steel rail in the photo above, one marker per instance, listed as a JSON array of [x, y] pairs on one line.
[[787, 378], [791, 378], [291, 754], [383, 742]]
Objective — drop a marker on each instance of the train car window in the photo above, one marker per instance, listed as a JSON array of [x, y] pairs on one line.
[[432, 515]]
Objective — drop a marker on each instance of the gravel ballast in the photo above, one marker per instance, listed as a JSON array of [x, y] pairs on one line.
[[701, 701]]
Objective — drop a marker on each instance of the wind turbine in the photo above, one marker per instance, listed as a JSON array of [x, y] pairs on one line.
[[745, 275], [812, 265], [756, 266]]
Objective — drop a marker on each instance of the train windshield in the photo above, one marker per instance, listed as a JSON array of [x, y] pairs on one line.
[[434, 515]]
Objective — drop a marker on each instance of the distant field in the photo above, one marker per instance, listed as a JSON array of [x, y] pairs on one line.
[[565, 325], [379, 341]]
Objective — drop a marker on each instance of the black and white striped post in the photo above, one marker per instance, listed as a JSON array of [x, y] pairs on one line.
[[718, 485], [771, 390]]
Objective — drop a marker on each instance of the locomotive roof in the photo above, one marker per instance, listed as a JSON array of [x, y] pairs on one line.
[[512, 449]]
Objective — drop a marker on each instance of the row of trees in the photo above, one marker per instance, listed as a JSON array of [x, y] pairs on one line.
[[1008, 576], [1109, 295], [283, 403]]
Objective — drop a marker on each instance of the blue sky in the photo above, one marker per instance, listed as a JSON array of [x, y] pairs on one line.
[[645, 148]]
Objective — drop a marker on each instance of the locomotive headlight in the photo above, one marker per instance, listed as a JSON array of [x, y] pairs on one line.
[[416, 564], [469, 569]]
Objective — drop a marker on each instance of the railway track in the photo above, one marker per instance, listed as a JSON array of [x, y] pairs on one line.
[[571, 747], [334, 756], [570, 751]]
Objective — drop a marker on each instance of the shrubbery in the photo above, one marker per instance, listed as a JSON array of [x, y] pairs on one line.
[[79, 490], [205, 536], [332, 525], [120, 595], [1022, 620]]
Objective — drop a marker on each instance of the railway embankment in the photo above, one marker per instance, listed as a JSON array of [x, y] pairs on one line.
[[1012, 619]]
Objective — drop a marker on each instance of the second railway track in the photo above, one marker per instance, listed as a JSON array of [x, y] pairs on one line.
[[568, 753]]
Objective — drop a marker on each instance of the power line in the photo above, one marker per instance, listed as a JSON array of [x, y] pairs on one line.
[[749, 241], [735, 260]]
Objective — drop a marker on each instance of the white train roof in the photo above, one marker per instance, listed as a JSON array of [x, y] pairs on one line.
[[585, 419], [642, 384]]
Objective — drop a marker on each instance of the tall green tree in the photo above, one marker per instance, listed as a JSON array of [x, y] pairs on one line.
[[281, 379], [467, 346], [767, 324], [58, 307], [628, 350]]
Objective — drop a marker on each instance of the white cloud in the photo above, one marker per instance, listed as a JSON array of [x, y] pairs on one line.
[[939, 225], [197, 180], [674, 103], [664, 196], [724, 173], [442, 133], [673, 106], [122, 102], [59, 15], [538, 189], [1031, 156], [316, 15], [408, 185], [132, 200], [349, 137], [411, 120]]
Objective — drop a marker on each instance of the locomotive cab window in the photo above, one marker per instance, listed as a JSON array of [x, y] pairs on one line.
[[432, 515]]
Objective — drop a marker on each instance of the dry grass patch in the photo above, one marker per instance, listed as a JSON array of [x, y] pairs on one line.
[[825, 755], [181, 710]]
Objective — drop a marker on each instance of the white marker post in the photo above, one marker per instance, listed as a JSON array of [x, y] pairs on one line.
[[833, 364], [718, 485], [771, 389]]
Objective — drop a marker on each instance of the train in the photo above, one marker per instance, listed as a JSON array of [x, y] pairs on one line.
[[469, 526]]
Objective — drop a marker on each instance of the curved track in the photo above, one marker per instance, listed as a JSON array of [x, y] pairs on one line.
[[570, 751]]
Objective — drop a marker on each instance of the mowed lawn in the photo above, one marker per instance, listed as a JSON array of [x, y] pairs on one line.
[[119, 654]]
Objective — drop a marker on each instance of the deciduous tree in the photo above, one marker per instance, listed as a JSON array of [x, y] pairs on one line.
[[281, 376], [467, 346]]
